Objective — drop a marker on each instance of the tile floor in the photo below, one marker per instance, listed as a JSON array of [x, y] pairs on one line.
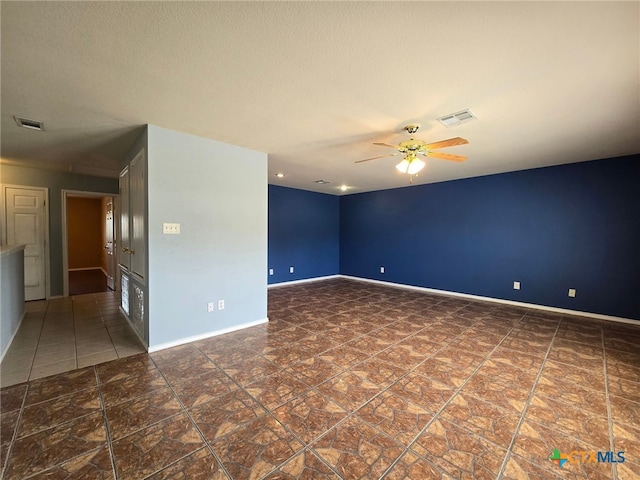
[[67, 333], [347, 380]]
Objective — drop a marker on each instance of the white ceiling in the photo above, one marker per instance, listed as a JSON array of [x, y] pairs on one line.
[[313, 84]]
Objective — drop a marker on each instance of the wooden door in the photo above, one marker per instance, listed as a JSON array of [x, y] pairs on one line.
[[26, 225]]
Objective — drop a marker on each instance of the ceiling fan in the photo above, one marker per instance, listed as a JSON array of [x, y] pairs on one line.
[[411, 164]]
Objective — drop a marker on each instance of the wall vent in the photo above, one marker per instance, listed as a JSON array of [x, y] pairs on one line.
[[321, 182], [31, 124], [457, 118]]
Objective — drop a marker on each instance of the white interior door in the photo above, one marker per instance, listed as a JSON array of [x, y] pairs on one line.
[[124, 256], [25, 225]]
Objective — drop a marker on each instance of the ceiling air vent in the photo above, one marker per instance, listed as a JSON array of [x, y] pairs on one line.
[[457, 118], [32, 124], [321, 182]]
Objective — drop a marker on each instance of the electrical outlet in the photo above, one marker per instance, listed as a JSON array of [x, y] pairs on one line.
[[381, 269], [516, 285], [290, 269], [171, 228], [572, 292], [210, 307], [271, 271], [220, 304]]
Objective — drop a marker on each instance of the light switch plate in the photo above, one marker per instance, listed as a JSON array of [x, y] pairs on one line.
[[171, 228]]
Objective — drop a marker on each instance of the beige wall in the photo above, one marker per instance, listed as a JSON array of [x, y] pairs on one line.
[[85, 232]]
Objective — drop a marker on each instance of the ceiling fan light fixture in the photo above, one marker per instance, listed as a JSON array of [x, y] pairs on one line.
[[410, 165]]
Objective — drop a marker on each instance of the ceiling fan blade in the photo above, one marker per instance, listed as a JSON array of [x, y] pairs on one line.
[[382, 144], [446, 143], [375, 158], [446, 156]]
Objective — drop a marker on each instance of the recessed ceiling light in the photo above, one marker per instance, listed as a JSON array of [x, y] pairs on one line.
[[280, 175], [321, 182], [344, 188], [457, 118], [31, 124]]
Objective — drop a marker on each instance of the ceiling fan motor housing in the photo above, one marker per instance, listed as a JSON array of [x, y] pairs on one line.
[[412, 128]]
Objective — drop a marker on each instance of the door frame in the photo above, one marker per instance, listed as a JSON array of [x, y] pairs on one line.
[[65, 245], [3, 213]]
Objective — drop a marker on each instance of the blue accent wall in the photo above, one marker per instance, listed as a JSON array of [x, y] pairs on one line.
[[554, 228], [303, 233]]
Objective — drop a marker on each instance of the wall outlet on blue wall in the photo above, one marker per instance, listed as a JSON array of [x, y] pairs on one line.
[[572, 292], [381, 269], [516, 285], [290, 269], [271, 271]]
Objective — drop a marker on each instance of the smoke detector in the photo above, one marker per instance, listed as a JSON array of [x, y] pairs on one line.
[[30, 124], [457, 118]]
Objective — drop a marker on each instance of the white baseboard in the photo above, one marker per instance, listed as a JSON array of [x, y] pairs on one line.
[[54, 297], [304, 280], [195, 338], [514, 303], [6, 348], [85, 268]]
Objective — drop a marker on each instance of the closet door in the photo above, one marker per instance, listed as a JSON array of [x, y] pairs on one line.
[[137, 207], [123, 254]]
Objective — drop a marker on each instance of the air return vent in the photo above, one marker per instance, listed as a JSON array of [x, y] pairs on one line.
[[457, 118], [322, 182], [31, 124]]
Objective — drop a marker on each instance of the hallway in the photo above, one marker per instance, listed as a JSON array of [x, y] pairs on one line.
[[63, 334]]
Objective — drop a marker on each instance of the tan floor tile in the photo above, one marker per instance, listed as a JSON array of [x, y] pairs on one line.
[[93, 348], [96, 358], [43, 359], [128, 351], [13, 377], [17, 360], [52, 369]]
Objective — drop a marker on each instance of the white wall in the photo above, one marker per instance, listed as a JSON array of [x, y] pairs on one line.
[[218, 195]]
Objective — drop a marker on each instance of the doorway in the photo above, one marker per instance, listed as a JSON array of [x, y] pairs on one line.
[[88, 243]]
